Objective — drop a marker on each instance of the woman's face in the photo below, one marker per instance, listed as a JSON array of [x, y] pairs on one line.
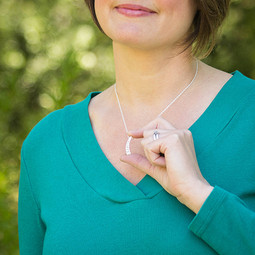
[[166, 26]]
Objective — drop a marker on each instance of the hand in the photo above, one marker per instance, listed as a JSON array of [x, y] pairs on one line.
[[171, 161]]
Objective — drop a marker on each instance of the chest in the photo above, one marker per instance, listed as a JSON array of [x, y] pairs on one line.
[[112, 141], [112, 138]]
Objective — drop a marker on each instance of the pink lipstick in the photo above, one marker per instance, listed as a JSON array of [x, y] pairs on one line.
[[132, 10]]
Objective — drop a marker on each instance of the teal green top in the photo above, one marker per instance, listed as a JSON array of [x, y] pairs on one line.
[[72, 200]]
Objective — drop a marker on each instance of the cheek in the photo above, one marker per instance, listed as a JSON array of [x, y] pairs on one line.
[[101, 9], [168, 4], [169, 26], [177, 8], [179, 15]]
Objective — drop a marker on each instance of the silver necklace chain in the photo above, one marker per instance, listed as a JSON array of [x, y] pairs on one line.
[[167, 105]]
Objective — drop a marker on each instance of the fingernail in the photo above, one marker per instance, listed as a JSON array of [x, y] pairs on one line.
[[131, 132], [134, 131]]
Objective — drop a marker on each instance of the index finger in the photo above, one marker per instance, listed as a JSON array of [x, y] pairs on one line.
[[158, 123]]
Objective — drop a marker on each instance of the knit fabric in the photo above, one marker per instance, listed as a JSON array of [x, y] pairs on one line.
[[72, 201]]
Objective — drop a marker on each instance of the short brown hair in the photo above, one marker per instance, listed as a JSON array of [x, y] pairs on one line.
[[206, 23]]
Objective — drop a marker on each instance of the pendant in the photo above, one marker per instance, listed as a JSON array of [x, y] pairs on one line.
[[128, 152]]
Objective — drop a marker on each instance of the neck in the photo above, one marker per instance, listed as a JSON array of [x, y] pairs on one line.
[[151, 77]]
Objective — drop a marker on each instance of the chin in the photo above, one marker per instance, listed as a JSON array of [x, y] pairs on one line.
[[131, 32], [132, 42], [131, 36]]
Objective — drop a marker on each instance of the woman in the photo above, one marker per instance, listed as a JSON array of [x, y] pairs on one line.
[[182, 182]]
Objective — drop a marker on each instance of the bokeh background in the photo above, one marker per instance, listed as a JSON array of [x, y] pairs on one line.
[[51, 55]]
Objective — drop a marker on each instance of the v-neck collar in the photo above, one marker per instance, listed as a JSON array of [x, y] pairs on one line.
[[98, 172]]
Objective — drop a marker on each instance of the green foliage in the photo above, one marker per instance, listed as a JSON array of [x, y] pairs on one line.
[[52, 55], [235, 49]]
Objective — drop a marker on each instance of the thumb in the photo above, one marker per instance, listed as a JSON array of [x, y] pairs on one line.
[[142, 163]]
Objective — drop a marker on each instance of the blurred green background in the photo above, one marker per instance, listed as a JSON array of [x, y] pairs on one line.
[[51, 55]]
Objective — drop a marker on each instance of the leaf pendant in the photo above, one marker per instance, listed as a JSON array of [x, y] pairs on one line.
[[128, 152]]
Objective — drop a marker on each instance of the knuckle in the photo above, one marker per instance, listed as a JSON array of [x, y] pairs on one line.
[[174, 138], [149, 146], [188, 132], [153, 159], [145, 133]]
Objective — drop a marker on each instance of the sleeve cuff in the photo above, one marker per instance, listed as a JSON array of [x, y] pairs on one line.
[[200, 222]]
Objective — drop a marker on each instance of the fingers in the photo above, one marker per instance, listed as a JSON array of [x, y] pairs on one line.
[[154, 151], [158, 123], [149, 132], [142, 163]]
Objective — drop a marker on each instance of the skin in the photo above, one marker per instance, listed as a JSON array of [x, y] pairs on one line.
[[150, 72], [177, 170], [149, 68]]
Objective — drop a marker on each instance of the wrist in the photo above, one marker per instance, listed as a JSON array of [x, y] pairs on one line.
[[195, 196]]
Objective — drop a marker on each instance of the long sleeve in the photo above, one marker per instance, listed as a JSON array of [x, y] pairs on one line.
[[73, 201], [226, 224], [30, 227]]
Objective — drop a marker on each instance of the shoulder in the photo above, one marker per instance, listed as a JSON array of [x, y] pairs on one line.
[[217, 76], [48, 129], [245, 109], [244, 80], [248, 85], [44, 127], [238, 85]]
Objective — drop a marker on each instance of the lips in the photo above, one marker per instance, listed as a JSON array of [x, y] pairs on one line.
[[134, 7]]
